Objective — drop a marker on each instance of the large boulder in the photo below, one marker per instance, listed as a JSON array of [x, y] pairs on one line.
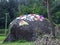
[[25, 27]]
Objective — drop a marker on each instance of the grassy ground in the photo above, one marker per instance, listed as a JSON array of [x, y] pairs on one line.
[[14, 43]]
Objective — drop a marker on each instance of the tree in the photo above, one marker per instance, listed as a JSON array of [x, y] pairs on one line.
[[13, 8], [48, 4], [56, 12], [10, 7]]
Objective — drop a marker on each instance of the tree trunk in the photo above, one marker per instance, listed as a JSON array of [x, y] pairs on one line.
[[50, 18]]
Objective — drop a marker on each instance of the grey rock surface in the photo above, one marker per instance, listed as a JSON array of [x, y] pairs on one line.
[[27, 32]]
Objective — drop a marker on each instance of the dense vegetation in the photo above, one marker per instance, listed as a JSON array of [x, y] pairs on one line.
[[16, 8]]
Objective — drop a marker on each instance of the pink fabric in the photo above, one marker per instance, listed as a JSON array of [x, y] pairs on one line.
[[31, 17]]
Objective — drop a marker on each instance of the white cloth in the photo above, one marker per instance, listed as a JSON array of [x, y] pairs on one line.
[[31, 17]]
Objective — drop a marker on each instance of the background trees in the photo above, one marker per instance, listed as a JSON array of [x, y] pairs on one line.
[[10, 7], [18, 7]]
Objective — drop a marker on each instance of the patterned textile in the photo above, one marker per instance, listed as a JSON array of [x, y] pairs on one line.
[[31, 17]]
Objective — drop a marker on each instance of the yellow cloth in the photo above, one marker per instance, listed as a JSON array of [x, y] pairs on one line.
[[23, 23], [35, 18]]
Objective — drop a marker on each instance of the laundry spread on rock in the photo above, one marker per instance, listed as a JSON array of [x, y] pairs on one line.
[[22, 22], [29, 17], [26, 26]]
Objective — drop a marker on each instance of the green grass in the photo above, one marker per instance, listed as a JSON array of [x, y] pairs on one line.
[[14, 43], [17, 43], [2, 38]]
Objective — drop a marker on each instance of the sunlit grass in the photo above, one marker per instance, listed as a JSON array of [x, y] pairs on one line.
[[17, 43], [21, 42], [2, 37]]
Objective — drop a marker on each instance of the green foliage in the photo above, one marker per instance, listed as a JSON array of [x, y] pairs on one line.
[[16, 8], [7, 7], [57, 18], [56, 12], [32, 8]]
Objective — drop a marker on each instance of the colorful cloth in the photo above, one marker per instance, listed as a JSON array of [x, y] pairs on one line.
[[31, 17], [22, 22]]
